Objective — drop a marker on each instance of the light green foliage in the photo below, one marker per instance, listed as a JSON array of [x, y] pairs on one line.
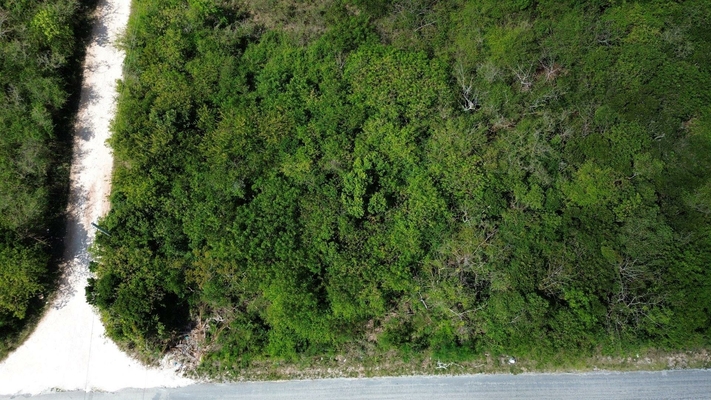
[[591, 186], [455, 177], [48, 23]]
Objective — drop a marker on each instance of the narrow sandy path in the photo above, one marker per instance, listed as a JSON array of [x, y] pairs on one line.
[[68, 350]]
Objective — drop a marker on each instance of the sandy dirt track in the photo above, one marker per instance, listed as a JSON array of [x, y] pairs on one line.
[[68, 350]]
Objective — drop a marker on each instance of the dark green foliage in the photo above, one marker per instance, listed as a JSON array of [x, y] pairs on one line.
[[40, 52], [522, 177]]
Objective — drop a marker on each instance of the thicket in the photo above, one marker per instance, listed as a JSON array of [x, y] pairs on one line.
[[521, 177], [39, 71]]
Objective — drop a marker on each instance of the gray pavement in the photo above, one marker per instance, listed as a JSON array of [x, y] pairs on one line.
[[685, 384]]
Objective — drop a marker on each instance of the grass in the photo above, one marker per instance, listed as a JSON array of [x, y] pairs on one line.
[[370, 362]]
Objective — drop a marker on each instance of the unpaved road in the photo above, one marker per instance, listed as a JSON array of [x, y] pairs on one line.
[[68, 349], [688, 384]]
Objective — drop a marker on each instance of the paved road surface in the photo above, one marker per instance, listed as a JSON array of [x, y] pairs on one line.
[[689, 384]]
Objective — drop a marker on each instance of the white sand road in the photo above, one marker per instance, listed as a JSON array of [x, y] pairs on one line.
[[68, 349]]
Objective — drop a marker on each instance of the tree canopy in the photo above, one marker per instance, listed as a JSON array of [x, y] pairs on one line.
[[40, 52], [444, 176]]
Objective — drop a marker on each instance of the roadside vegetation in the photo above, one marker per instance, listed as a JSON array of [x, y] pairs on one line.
[[432, 179], [40, 52]]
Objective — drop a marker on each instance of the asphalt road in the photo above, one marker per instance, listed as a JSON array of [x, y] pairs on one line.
[[687, 384]]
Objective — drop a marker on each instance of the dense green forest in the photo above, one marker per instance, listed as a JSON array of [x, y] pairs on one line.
[[40, 50], [447, 177]]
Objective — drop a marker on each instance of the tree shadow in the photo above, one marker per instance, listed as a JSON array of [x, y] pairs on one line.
[[75, 266]]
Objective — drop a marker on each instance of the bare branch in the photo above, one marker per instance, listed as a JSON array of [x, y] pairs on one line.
[[425, 25], [4, 16], [423, 302], [551, 69], [470, 96], [524, 77]]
